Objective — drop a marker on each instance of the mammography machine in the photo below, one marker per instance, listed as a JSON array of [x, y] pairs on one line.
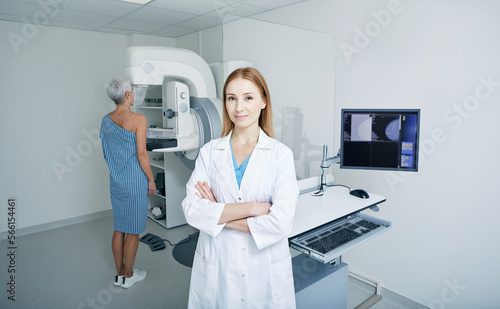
[[187, 92], [175, 89]]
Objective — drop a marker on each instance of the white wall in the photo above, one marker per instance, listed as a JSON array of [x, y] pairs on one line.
[[53, 100], [434, 55]]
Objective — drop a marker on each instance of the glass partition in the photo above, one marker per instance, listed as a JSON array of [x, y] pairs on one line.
[[299, 67]]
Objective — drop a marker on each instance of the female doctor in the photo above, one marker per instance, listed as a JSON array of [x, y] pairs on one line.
[[242, 196]]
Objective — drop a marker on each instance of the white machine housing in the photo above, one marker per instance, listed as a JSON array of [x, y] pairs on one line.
[[151, 65], [182, 74]]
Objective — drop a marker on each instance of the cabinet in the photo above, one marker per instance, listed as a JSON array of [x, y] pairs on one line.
[[319, 285], [176, 177]]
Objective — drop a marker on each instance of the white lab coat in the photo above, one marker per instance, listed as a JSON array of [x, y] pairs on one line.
[[232, 269]]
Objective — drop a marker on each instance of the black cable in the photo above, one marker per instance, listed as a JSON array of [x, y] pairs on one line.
[[320, 193], [335, 185], [185, 241]]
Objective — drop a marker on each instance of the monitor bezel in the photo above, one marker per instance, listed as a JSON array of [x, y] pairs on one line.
[[380, 110]]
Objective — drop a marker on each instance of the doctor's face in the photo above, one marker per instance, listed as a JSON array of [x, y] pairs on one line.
[[244, 103]]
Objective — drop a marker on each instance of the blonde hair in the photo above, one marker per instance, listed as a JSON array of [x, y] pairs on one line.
[[266, 116]]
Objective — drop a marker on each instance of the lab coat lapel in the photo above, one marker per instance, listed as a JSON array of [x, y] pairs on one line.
[[223, 162]]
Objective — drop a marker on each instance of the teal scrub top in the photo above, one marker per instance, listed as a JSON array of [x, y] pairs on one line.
[[239, 171]]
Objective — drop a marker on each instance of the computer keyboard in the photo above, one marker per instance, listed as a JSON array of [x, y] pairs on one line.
[[339, 235], [331, 240], [367, 225]]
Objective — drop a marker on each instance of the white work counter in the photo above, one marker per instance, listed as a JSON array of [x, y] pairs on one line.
[[336, 202]]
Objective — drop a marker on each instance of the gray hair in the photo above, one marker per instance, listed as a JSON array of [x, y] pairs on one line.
[[117, 88]]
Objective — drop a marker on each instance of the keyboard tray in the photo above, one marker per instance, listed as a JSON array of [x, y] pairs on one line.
[[329, 241]]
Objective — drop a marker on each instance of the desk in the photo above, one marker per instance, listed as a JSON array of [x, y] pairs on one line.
[[319, 285], [313, 211]]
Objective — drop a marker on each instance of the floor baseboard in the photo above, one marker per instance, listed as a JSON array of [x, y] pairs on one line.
[[58, 224]]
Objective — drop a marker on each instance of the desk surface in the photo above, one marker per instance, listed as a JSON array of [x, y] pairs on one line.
[[313, 211]]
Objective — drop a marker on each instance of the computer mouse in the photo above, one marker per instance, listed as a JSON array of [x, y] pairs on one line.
[[359, 193]]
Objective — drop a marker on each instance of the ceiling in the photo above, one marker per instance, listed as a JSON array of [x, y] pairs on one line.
[[165, 18]]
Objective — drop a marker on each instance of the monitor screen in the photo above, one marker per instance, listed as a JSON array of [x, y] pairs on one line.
[[385, 139]]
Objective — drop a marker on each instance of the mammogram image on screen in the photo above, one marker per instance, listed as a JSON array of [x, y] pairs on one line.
[[392, 130], [386, 128], [361, 128]]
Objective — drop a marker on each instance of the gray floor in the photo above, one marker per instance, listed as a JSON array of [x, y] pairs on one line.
[[72, 267]]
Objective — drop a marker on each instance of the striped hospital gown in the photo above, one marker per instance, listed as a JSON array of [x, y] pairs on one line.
[[127, 181]]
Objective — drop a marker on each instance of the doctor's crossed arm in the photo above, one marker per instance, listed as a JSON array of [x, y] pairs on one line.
[[234, 215], [271, 229]]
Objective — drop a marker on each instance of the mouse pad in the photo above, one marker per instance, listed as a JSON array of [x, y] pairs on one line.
[[184, 251]]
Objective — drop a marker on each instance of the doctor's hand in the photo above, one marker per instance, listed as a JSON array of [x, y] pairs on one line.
[[204, 191], [260, 209]]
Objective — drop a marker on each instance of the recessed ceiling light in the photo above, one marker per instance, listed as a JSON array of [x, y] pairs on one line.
[[137, 1]]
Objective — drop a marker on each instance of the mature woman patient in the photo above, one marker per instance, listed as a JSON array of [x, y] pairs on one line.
[[131, 180]]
